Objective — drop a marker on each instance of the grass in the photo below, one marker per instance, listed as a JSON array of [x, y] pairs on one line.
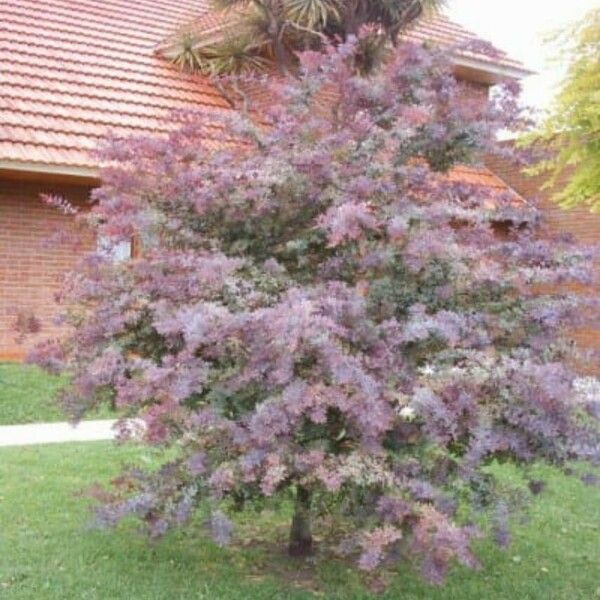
[[46, 552], [28, 395]]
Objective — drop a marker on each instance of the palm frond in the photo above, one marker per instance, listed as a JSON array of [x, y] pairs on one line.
[[312, 13], [239, 55], [246, 35], [184, 53]]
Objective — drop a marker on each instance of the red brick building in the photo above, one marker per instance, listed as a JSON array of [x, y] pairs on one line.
[[73, 71], [580, 222]]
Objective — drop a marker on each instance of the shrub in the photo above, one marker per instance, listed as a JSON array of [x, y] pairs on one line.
[[321, 309]]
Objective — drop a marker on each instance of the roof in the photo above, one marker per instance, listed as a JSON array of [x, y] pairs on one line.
[[501, 195], [72, 71], [483, 60]]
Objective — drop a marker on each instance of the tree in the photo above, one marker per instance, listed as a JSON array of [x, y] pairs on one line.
[[571, 132], [253, 35], [321, 314]]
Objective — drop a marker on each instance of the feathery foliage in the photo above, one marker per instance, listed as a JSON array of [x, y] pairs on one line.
[[320, 312], [572, 130]]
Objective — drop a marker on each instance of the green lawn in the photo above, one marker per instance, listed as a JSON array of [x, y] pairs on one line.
[[46, 552], [28, 395]]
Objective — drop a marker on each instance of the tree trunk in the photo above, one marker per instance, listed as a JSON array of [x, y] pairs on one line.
[[301, 542]]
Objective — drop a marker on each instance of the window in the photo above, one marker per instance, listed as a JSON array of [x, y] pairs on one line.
[[115, 251]]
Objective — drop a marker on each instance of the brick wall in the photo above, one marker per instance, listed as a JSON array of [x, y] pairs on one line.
[[584, 226], [30, 269]]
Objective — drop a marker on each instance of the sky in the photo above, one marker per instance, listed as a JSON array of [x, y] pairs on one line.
[[519, 28]]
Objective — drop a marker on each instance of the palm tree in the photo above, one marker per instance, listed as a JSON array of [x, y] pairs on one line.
[[254, 35]]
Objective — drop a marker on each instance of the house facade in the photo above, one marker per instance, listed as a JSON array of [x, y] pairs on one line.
[[583, 225], [72, 71]]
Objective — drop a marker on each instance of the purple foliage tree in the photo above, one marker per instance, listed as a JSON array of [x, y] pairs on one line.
[[320, 310]]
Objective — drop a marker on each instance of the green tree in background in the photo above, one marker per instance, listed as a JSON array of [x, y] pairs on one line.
[[572, 129]]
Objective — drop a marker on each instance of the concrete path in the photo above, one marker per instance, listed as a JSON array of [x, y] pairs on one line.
[[53, 433]]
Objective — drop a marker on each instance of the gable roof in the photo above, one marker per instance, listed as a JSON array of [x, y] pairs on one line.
[[72, 71], [485, 63], [482, 62], [499, 193]]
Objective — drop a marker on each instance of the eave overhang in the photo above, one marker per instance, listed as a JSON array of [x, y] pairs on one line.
[[13, 169]]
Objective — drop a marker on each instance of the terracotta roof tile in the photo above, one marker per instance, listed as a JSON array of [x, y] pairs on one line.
[[476, 176], [440, 30], [501, 195], [436, 29], [72, 71]]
